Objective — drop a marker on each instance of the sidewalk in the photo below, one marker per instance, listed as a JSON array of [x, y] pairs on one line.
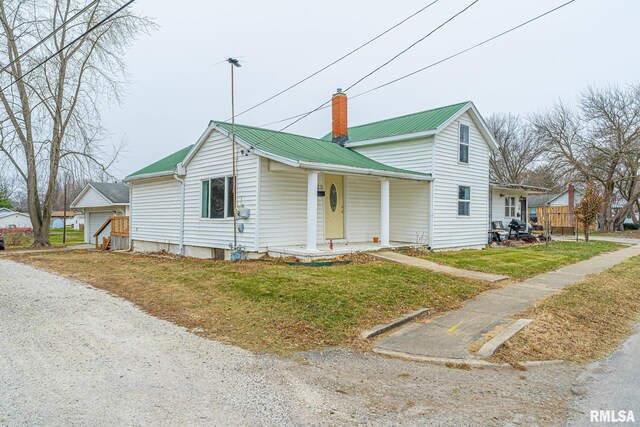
[[623, 240], [450, 335], [429, 265]]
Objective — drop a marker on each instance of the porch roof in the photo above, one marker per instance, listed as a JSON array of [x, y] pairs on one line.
[[312, 153]]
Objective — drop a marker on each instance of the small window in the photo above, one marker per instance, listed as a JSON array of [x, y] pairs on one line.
[[510, 207], [230, 207], [464, 200], [463, 152], [217, 198], [205, 199]]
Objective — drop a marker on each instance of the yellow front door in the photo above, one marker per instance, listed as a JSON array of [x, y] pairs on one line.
[[334, 207]]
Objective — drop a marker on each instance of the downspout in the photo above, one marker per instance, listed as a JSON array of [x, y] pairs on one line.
[[181, 230], [130, 185]]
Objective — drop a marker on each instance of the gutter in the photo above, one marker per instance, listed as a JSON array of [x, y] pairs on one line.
[[148, 176], [363, 171]]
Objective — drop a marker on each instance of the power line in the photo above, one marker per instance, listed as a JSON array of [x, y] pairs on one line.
[[51, 34], [339, 59], [72, 42], [384, 64], [490, 39]]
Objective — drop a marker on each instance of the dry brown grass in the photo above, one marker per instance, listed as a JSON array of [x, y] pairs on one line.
[[584, 322], [265, 306]]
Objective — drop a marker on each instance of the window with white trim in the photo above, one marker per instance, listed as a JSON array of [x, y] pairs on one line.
[[217, 198], [510, 207], [463, 150], [464, 200]]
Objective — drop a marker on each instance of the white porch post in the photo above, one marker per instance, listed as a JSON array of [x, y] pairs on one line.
[[384, 212], [312, 211]]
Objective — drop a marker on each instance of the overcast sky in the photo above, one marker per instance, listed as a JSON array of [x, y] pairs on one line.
[[178, 83]]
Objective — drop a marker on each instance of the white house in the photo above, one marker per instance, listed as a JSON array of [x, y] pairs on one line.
[[511, 201], [9, 218], [420, 178], [99, 201]]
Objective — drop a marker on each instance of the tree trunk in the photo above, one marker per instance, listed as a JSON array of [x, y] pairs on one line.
[[41, 235]]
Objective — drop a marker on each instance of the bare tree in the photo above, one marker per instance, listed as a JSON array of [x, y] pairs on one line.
[[49, 116], [600, 142], [518, 148]]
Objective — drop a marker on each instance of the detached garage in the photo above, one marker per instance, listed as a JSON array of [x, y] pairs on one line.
[[99, 201]]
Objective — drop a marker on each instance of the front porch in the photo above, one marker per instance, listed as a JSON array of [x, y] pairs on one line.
[[323, 251]]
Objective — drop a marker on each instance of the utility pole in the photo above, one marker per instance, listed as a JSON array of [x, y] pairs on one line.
[[234, 63]]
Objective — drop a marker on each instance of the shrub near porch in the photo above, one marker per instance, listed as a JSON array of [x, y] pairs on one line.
[[524, 262], [261, 305]]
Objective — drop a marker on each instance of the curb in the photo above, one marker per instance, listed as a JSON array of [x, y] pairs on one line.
[[380, 329], [472, 363], [494, 343]]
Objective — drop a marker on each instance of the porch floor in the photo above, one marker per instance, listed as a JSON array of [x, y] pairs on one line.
[[323, 251]]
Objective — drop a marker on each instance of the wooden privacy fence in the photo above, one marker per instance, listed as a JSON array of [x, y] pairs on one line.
[[120, 226], [560, 217]]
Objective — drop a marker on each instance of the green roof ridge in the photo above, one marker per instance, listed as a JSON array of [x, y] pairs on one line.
[[378, 129], [166, 164]]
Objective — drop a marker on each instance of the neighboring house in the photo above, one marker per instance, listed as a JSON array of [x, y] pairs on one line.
[[78, 222], [58, 218], [9, 218], [98, 202], [512, 201], [560, 206], [420, 178]]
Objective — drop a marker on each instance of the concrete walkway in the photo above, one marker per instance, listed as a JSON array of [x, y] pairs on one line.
[[450, 335], [428, 265], [623, 240]]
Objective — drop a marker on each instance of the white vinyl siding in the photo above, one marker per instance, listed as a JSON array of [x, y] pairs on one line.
[[362, 208], [451, 230], [214, 160], [498, 205], [155, 211], [409, 211], [410, 155], [92, 199], [283, 206]]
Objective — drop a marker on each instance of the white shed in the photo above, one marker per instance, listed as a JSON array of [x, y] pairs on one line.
[[99, 201]]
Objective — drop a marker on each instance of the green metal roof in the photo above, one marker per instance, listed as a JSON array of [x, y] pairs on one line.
[[403, 125], [167, 164], [306, 149]]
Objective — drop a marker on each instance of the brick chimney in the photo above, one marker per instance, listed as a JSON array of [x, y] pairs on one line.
[[339, 130], [572, 204]]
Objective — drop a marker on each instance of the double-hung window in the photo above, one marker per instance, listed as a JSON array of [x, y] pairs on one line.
[[217, 198], [510, 207], [463, 150], [464, 200]]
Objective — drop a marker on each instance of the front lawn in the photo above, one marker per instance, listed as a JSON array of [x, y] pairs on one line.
[[524, 262], [585, 321], [630, 234], [264, 305]]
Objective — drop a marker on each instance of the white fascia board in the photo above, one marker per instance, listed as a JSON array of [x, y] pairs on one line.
[[362, 171], [203, 138], [149, 176], [395, 138]]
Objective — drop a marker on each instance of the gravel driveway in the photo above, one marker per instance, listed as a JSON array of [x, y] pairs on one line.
[[74, 355]]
